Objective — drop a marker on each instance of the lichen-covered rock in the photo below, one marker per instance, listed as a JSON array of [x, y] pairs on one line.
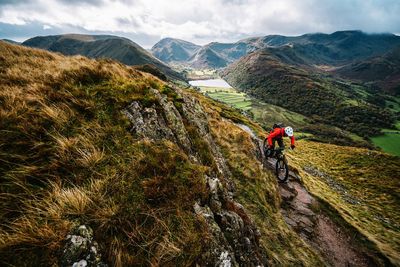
[[174, 120], [146, 123], [81, 250], [234, 236]]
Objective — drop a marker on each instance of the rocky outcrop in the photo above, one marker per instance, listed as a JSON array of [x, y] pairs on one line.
[[81, 250], [235, 237]]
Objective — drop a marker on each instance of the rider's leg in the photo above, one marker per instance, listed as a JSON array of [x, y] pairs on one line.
[[280, 143]]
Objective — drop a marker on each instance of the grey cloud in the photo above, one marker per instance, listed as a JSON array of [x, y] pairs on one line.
[[67, 2], [218, 20], [88, 2], [21, 33], [15, 2]]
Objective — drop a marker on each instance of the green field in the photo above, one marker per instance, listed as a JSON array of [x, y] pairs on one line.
[[209, 89], [389, 142], [229, 96]]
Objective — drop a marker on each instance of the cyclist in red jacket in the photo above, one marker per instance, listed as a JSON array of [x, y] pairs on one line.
[[277, 134]]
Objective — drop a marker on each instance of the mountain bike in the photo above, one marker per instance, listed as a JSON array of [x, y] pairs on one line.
[[281, 165]]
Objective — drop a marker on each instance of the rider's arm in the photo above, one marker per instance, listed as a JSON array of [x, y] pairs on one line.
[[272, 135], [292, 140]]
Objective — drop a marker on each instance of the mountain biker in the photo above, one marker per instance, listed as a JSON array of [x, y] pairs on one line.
[[277, 134]]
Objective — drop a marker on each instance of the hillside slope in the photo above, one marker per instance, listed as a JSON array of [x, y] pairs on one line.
[[149, 167], [206, 57], [264, 75], [383, 71], [174, 50], [100, 46], [163, 176], [361, 185]]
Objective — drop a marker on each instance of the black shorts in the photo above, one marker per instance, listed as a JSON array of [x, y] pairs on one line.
[[279, 141]]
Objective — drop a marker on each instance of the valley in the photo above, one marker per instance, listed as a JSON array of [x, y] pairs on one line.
[[267, 114], [343, 85], [157, 159]]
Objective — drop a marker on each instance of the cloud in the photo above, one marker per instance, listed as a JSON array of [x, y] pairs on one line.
[[200, 21]]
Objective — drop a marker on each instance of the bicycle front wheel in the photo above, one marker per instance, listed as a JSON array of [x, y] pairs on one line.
[[281, 170]]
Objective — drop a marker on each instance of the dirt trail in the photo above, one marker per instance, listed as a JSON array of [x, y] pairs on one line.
[[299, 209]]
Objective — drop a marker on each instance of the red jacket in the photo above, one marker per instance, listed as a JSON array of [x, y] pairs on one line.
[[278, 133]]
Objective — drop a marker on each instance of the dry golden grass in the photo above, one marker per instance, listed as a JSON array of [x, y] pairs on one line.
[[66, 158], [369, 189]]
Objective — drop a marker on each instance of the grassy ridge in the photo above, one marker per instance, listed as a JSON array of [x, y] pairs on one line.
[[67, 158], [256, 187], [363, 185]]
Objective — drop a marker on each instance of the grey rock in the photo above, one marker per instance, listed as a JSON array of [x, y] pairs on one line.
[[146, 123], [81, 263], [80, 250]]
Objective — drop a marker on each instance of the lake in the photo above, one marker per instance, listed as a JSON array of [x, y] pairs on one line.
[[211, 83]]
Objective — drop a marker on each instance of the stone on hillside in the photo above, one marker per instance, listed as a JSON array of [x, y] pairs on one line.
[[81, 250]]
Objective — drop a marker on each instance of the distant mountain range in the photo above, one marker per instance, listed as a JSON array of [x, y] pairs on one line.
[[337, 48], [101, 46]]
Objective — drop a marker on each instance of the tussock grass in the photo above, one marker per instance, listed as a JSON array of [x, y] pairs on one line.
[[66, 158]]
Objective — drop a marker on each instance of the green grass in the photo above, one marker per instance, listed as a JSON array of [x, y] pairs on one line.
[[267, 114], [389, 142], [393, 104], [210, 89], [229, 96]]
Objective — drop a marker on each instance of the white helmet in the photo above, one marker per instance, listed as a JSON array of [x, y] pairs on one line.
[[289, 131]]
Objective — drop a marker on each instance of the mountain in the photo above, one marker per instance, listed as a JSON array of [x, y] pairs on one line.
[[383, 71], [104, 164], [206, 57], [335, 49], [100, 46], [174, 50], [338, 48], [263, 75]]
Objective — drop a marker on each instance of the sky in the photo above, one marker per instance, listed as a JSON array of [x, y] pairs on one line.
[[200, 21]]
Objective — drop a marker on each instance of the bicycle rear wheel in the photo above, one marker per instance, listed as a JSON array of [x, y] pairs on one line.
[[281, 170]]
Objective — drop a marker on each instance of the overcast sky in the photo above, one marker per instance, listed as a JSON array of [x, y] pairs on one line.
[[199, 21]]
